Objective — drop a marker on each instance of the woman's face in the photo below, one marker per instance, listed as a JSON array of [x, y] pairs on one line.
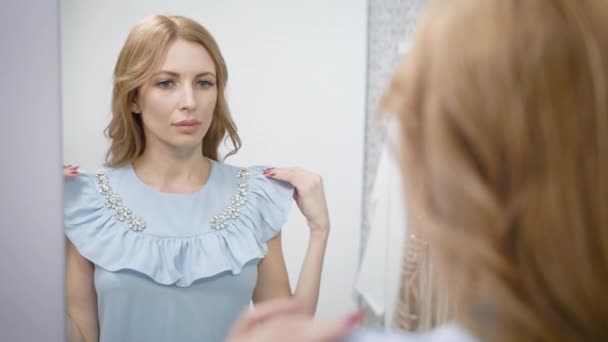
[[177, 102]]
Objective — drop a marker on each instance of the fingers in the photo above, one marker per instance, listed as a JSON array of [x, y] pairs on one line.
[[301, 179], [283, 174], [281, 324], [264, 311], [70, 171], [333, 330]]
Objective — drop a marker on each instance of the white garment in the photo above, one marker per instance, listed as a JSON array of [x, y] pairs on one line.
[[449, 332], [378, 279]]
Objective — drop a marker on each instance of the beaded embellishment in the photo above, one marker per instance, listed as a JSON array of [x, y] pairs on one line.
[[238, 199], [114, 202], [137, 224]]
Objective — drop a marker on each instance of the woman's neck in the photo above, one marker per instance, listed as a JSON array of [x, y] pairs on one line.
[[173, 172]]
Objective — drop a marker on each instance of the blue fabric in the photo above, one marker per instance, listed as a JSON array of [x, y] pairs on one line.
[[178, 279]]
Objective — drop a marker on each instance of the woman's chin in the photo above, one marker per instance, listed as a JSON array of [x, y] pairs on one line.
[[188, 142]]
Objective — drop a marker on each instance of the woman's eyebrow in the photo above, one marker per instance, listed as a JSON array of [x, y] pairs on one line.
[[174, 74]]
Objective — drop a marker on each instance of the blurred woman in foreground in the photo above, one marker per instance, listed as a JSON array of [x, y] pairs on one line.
[[503, 110]]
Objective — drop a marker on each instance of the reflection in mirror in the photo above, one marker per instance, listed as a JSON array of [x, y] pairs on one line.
[[169, 240]]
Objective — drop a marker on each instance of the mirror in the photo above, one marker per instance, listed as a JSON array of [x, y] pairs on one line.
[[296, 92]]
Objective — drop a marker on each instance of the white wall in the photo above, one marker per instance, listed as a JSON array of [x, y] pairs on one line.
[[296, 90]]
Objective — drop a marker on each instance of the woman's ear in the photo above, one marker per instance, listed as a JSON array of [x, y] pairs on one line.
[[135, 108]]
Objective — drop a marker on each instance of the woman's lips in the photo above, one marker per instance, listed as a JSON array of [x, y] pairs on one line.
[[187, 126]]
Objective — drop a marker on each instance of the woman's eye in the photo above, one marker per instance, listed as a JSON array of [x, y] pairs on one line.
[[205, 84], [165, 84]]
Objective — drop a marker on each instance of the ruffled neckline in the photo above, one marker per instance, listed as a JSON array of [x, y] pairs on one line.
[[98, 234]]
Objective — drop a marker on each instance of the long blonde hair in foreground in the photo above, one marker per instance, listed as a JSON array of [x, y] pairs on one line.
[[140, 56], [503, 110]]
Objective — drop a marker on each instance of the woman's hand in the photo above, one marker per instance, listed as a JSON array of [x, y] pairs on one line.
[[70, 171], [282, 320], [309, 195]]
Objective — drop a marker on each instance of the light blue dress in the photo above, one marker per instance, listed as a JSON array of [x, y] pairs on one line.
[[173, 267]]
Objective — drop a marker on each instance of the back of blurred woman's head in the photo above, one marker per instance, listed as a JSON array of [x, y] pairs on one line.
[[503, 111]]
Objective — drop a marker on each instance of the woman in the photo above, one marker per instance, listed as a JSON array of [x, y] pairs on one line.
[[166, 243], [503, 109]]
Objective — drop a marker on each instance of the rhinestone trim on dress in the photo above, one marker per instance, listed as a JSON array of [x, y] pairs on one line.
[[114, 202], [238, 199], [137, 224]]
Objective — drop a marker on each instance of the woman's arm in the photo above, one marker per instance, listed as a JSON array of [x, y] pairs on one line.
[[72, 332], [309, 281], [273, 281], [81, 297]]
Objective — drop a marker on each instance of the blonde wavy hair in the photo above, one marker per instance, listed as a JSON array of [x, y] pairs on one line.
[[503, 108], [141, 55]]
